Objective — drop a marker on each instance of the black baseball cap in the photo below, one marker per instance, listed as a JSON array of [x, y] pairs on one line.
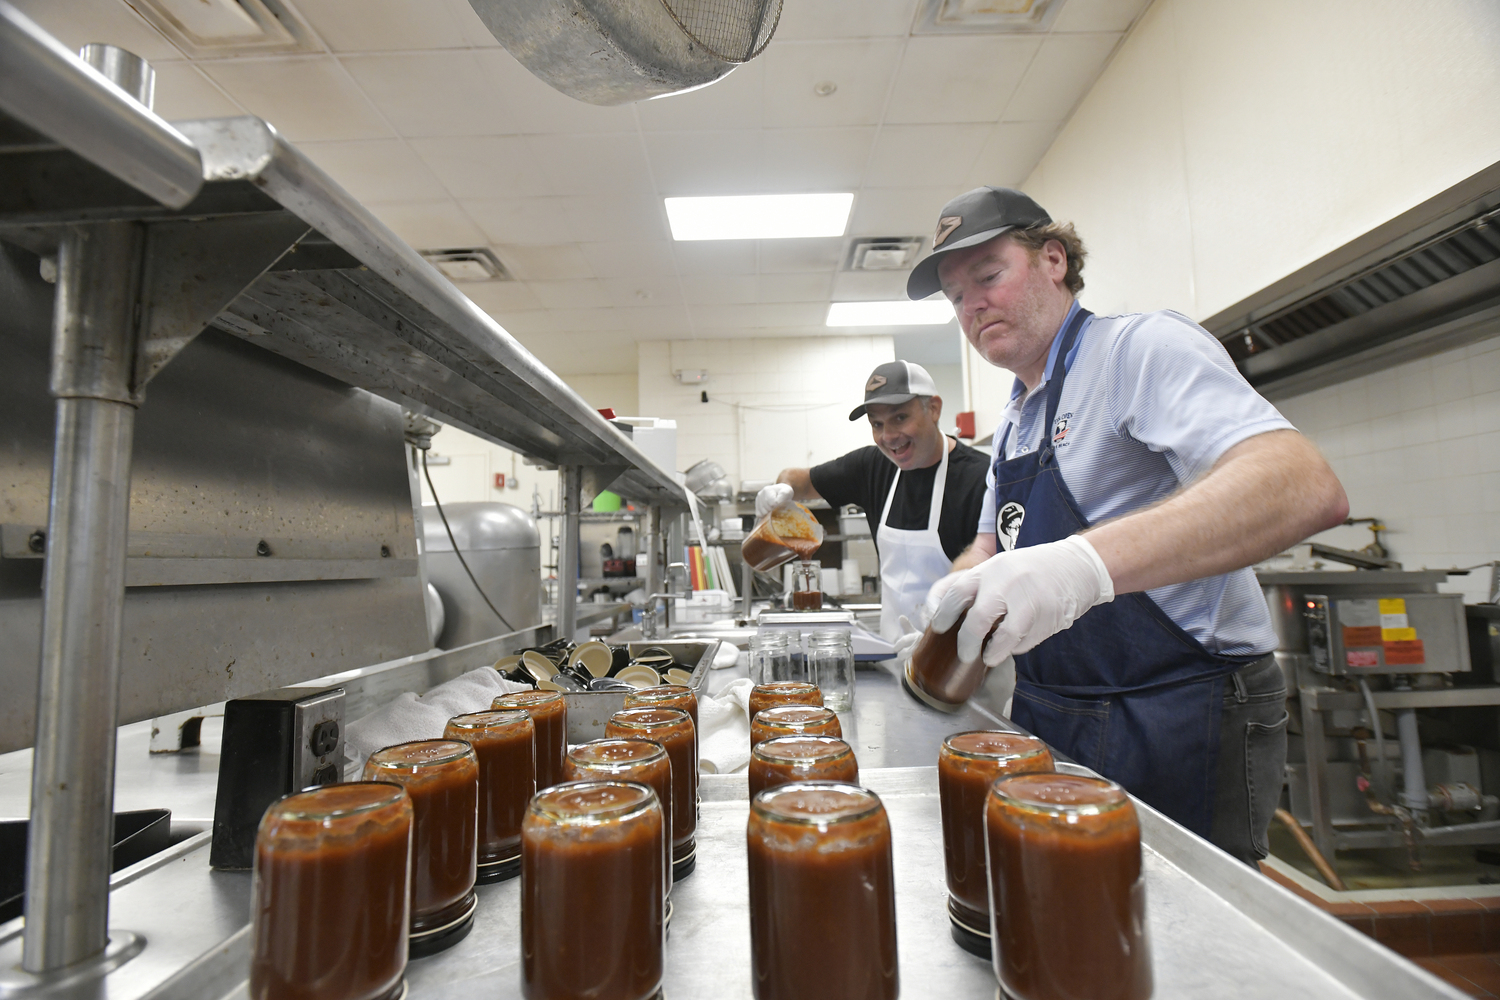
[[969, 220], [894, 383]]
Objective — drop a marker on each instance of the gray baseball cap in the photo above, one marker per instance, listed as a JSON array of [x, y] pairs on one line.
[[969, 220], [894, 383]]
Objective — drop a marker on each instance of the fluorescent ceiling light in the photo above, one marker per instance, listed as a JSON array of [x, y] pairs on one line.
[[902, 312], [759, 216]]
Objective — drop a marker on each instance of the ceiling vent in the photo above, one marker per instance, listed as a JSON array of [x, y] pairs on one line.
[[988, 17], [1427, 281], [883, 253], [204, 29], [468, 264]]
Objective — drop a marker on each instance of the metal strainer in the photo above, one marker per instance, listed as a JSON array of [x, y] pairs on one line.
[[618, 51]]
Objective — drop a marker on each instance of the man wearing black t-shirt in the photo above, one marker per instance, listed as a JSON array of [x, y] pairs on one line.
[[918, 530]]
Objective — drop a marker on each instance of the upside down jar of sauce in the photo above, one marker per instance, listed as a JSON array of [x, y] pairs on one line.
[[968, 764], [504, 746], [937, 676], [669, 696], [549, 713], [673, 729], [442, 778], [643, 761], [784, 759], [330, 894], [592, 908], [822, 894], [773, 693], [1069, 899], [794, 720]]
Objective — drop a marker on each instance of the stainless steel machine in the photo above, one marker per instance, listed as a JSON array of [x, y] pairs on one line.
[[501, 547], [1376, 664]]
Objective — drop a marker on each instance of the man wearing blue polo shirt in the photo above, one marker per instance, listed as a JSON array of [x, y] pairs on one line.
[[1136, 476]]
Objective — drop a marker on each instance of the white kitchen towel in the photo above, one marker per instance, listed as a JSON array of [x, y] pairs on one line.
[[724, 724], [410, 717]]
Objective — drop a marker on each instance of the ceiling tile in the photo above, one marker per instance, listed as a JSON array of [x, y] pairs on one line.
[[735, 101], [306, 98], [527, 323], [869, 286], [630, 258], [733, 316], [819, 159], [183, 92], [899, 211], [377, 25], [596, 164], [485, 166], [748, 289], [585, 293], [861, 69], [844, 19], [376, 169], [959, 78], [523, 220], [433, 93], [659, 290], [782, 256], [1098, 15], [708, 289], [469, 24], [600, 217], [925, 155], [537, 108], [501, 298], [1061, 73], [1010, 153], [809, 286], [558, 262], [646, 319], [701, 163], [75, 23], [430, 225], [716, 256]]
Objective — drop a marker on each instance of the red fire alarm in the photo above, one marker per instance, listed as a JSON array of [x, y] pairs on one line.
[[500, 478], [965, 423]]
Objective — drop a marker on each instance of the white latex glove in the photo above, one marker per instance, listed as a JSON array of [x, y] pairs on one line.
[[927, 614], [770, 498], [1033, 592], [906, 641]]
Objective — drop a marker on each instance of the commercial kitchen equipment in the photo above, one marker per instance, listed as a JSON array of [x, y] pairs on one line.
[[503, 549]]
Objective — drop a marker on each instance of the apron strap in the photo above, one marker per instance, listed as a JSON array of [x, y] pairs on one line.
[[939, 487]]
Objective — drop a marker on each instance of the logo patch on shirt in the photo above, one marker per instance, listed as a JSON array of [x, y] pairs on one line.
[[1008, 524], [1060, 429]]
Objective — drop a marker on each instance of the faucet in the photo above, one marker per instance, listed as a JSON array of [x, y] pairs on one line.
[[648, 616]]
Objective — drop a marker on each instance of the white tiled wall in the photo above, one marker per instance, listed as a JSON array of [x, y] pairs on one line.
[[1419, 447], [772, 403]]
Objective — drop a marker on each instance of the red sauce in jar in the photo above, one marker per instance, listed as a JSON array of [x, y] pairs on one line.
[[549, 713], [764, 696], [794, 720], [666, 696], [643, 761], [442, 778], [807, 600], [592, 907], [936, 674], [503, 746], [822, 894], [672, 728], [784, 759], [968, 764], [330, 902], [1070, 901]]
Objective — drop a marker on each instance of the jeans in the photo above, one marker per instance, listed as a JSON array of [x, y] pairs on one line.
[[1252, 759]]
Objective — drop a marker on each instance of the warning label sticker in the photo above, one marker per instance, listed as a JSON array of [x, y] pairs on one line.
[[1362, 635], [1393, 606], [1397, 634], [1362, 658], [1406, 652]]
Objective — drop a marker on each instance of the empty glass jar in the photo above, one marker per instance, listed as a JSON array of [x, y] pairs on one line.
[[771, 658], [830, 665]]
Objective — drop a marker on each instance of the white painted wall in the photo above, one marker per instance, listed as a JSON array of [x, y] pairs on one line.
[[772, 403], [617, 391]]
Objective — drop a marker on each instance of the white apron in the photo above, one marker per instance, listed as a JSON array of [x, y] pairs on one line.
[[911, 561]]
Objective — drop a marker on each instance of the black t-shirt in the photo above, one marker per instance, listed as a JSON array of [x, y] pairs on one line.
[[864, 477]]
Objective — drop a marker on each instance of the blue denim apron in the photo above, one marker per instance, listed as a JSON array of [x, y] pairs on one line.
[[1124, 691]]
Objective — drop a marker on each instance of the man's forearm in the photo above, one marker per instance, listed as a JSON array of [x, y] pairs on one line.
[[980, 549], [800, 480], [1263, 496]]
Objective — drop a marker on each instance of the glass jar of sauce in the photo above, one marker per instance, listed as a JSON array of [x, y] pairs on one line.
[[503, 745], [666, 696], [549, 713], [968, 764], [593, 915], [330, 897], [807, 586], [442, 778], [1069, 898], [672, 728], [794, 720], [643, 761], [773, 693], [937, 676], [822, 894], [784, 759]]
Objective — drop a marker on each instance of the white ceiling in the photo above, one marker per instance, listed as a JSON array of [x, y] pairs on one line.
[[417, 111]]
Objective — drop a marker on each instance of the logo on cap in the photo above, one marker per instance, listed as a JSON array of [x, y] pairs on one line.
[[945, 228], [876, 381]]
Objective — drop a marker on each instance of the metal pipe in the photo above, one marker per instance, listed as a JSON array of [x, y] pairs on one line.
[[83, 598], [1382, 766], [570, 480], [1413, 778], [1311, 850]]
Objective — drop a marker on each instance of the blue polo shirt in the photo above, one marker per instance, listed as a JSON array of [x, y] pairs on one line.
[[1151, 402]]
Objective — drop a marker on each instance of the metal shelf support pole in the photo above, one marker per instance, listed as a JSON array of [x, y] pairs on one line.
[[570, 479], [83, 597]]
